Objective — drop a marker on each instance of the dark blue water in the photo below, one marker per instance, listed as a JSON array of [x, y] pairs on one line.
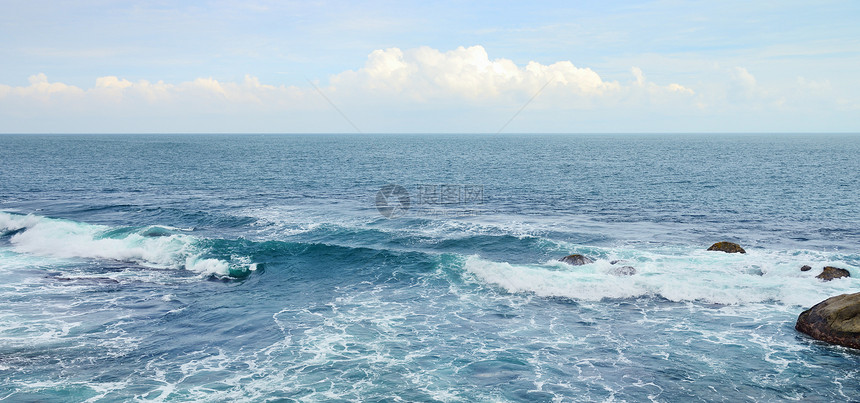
[[264, 268]]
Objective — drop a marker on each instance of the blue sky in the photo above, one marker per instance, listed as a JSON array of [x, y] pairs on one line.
[[282, 66]]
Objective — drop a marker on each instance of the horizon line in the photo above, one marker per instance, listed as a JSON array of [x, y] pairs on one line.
[[425, 133]]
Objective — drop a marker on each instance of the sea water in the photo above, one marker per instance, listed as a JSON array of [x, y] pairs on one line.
[[423, 267]]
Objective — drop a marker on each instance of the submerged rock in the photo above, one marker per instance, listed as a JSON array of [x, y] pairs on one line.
[[755, 271], [576, 259], [106, 280], [728, 247], [623, 271], [618, 261], [806, 267], [835, 320], [830, 272]]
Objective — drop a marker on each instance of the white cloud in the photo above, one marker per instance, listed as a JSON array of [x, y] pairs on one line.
[[744, 86], [419, 77], [640, 77], [654, 88], [426, 73], [41, 89], [119, 90], [744, 77], [112, 82], [457, 90], [674, 87]]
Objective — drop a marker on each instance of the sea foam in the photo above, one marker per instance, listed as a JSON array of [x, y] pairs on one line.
[[152, 246], [674, 274]]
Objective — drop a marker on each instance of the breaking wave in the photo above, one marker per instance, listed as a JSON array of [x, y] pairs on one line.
[[152, 246]]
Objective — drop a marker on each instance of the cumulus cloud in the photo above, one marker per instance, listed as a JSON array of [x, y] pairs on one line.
[[418, 75], [641, 82], [640, 76], [118, 91], [426, 73], [744, 87], [743, 77], [250, 90], [409, 81], [41, 89]]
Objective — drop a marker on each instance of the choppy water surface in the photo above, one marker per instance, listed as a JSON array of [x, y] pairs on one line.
[[259, 268]]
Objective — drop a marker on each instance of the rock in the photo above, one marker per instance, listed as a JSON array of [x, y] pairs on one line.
[[755, 271], [618, 261], [835, 320], [806, 267], [105, 280], [830, 272], [622, 271], [728, 247], [576, 260]]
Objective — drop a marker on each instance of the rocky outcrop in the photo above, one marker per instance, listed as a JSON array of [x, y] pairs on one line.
[[622, 271], [806, 267], [728, 247], [830, 272], [576, 259], [835, 320]]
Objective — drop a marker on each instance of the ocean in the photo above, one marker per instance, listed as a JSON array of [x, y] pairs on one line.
[[423, 267]]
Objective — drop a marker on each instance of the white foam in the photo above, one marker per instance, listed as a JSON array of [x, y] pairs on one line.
[[677, 275], [14, 222], [206, 266], [58, 238]]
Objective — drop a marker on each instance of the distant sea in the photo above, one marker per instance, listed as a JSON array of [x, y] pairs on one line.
[[423, 267]]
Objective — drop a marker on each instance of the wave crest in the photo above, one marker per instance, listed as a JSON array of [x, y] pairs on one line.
[[151, 246]]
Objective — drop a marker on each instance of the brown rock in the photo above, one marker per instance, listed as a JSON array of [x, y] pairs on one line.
[[830, 272], [728, 247], [576, 259], [806, 267], [835, 320]]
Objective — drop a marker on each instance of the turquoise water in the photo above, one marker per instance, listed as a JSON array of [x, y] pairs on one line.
[[262, 268]]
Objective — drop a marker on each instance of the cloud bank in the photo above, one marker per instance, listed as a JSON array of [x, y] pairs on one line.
[[421, 89], [425, 73]]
